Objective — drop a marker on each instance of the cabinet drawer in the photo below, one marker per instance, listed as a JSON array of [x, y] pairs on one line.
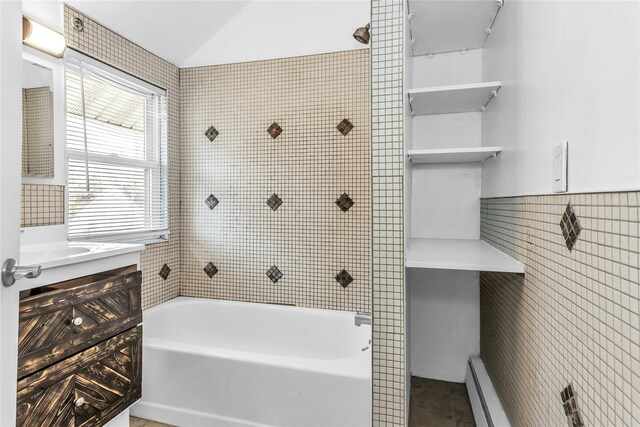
[[87, 389], [70, 316]]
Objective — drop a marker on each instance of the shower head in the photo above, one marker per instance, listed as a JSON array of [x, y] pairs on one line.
[[362, 34]]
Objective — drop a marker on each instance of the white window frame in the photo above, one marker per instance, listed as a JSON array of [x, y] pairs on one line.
[[143, 86]]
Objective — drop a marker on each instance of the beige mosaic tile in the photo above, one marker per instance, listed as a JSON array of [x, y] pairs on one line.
[[37, 132], [41, 205], [264, 167], [574, 317]]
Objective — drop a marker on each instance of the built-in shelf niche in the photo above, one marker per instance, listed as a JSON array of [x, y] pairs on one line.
[[449, 99], [447, 26], [453, 155], [459, 254]]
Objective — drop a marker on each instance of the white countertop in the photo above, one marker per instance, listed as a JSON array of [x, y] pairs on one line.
[[56, 254]]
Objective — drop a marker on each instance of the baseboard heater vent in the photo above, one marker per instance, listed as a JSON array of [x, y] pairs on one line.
[[487, 409]]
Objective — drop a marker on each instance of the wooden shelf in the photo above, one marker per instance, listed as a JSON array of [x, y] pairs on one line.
[[453, 155], [454, 254], [453, 98], [449, 26]]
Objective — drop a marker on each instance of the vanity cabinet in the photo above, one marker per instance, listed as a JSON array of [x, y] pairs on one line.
[[80, 350], [86, 389], [67, 317]]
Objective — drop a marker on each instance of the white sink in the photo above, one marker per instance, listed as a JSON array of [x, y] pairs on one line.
[[34, 255], [55, 254]]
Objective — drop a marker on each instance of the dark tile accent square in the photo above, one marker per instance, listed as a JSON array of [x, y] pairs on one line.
[[274, 130], [274, 273], [344, 278], [274, 201], [570, 226], [211, 201], [210, 269], [164, 271], [345, 126], [345, 202], [211, 133]]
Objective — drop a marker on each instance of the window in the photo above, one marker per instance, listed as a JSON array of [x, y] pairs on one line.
[[117, 154]]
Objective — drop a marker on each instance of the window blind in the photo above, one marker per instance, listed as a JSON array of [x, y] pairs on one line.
[[117, 154]]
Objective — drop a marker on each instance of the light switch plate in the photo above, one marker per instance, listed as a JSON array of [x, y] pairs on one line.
[[560, 165]]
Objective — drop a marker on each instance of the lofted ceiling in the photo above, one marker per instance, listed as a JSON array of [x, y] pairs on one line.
[[196, 33]]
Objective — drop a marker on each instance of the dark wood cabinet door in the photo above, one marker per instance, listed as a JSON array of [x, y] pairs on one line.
[[109, 385], [86, 389], [50, 406], [69, 318]]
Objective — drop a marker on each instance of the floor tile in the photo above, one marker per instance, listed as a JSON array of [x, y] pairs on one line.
[[431, 409], [141, 422], [436, 403]]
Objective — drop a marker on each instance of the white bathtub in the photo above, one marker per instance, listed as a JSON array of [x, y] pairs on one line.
[[221, 363]]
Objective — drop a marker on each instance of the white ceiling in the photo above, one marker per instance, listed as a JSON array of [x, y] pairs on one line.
[[195, 33]]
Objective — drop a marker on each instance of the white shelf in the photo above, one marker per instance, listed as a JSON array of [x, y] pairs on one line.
[[453, 155], [446, 26], [452, 254], [453, 98]]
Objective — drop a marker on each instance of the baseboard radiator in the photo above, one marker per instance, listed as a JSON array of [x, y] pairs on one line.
[[487, 409]]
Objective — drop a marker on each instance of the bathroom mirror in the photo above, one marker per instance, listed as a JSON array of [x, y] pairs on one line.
[[37, 120]]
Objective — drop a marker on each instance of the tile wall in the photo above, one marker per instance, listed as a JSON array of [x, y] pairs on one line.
[[100, 43], [37, 132], [574, 317], [276, 181], [41, 205], [387, 156]]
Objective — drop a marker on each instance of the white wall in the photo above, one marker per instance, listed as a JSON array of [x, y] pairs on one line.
[[445, 199], [223, 32], [444, 202], [445, 319], [47, 12], [570, 71], [407, 81]]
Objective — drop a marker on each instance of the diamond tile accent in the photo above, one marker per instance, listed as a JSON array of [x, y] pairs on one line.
[[274, 201], [211, 201], [210, 269], [274, 130], [274, 273], [164, 271], [345, 202], [570, 405], [344, 278], [211, 133], [345, 127], [570, 226]]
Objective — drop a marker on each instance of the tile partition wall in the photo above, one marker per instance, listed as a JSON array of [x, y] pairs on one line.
[[573, 318], [100, 43], [387, 43], [41, 205], [276, 181]]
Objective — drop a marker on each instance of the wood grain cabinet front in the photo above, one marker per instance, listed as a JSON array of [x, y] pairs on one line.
[[71, 316], [86, 389]]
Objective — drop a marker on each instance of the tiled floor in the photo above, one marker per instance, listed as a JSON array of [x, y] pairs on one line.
[[140, 422], [439, 404], [433, 404]]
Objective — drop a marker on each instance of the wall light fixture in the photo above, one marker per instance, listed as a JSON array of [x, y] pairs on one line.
[[43, 38]]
